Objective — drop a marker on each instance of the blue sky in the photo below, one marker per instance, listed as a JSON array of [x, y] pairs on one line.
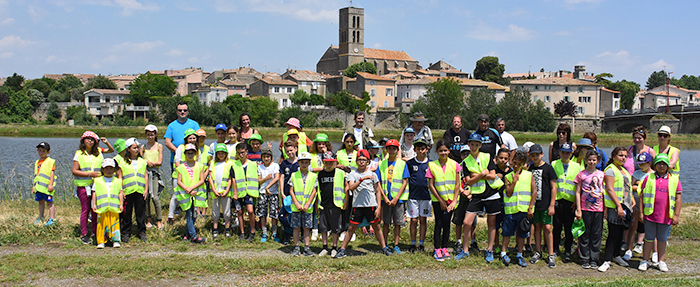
[[629, 39]]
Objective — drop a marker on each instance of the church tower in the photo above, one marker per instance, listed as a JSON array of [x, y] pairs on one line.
[[352, 34]]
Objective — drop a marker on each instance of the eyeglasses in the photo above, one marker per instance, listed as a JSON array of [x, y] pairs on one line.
[[362, 160], [664, 135], [561, 132], [182, 110], [190, 153]]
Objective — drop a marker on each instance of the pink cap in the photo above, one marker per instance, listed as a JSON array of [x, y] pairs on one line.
[[293, 122], [90, 134]]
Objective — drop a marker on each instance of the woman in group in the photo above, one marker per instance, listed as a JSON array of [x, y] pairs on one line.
[[563, 136], [245, 131], [639, 136], [665, 147]]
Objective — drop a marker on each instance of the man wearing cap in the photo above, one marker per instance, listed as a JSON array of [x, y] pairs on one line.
[[362, 133], [490, 139], [456, 137], [422, 131], [175, 133]]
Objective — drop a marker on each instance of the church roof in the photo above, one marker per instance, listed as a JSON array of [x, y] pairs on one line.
[[381, 54]]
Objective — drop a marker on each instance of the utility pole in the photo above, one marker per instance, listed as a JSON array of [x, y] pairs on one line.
[[668, 88]]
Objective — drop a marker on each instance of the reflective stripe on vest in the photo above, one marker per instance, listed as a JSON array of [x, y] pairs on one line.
[[107, 199], [134, 180], [476, 167], [444, 180], [519, 201], [224, 177], [671, 150], [396, 180], [246, 183], [184, 199], [342, 157], [338, 189], [42, 177], [566, 187], [302, 190], [618, 187], [88, 163], [649, 194]]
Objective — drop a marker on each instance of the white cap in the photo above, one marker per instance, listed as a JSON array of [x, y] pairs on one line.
[[108, 162], [190, 146], [132, 141], [151, 128], [304, 155], [527, 145], [665, 130]]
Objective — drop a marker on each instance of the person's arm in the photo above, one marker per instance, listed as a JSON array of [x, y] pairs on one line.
[[93, 201], [346, 189], [121, 200], [211, 184], [550, 152], [307, 205], [578, 213], [378, 191], [53, 175], [79, 173], [169, 144], [145, 190], [640, 207], [404, 183], [553, 197], [352, 185], [110, 148], [433, 191], [282, 183], [673, 159], [609, 188], [202, 176], [160, 155], [455, 197], [510, 185], [294, 198], [677, 211], [533, 199], [182, 184]]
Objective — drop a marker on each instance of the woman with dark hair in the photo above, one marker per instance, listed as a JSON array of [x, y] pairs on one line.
[[594, 140], [245, 131], [563, 136], [639, 137]]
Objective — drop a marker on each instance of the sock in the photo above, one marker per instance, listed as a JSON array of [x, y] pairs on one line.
[[503, 253], [413, 242], [264, 230], [520, 254], [422, 242], [335, 248], [325, 246], [274, 229]]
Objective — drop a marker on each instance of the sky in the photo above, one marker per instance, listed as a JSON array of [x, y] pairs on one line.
[[629, 39]]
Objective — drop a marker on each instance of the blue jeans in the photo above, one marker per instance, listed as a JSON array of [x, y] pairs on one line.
[[189, 214]]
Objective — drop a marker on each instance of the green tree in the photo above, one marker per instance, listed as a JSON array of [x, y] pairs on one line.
[[17, 109], [265, 112], [316, 99], [14, 82], [76, 94], [307, 119], [539, 118], [79, 115], [687, 82], [513, 108], [149, 86], [56, 96], [565, 108], [603, 79], [68, 82], [479, 101], [168, 107], [238, 104], [300, 97], [39, 85], [53, 113], [656, 79], [444, 97], [344, 101], [100, 82], [628, 90], [366, 67], [489, 69], [35, 97]]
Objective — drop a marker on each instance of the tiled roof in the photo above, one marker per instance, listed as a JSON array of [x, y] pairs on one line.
[[232, 82], [373, 77], [421, 81], [387, 55], [609, 91], [571, 76], [554, 82], [303, 75], [108, 92], [664, 93], [155, 72], [123, 77], [427, 72], [279, 82], [521, 75]]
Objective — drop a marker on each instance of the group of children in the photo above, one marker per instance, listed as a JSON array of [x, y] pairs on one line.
[[314, 188]]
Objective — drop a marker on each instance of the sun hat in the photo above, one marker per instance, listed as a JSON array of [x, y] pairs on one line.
[[585, 142], [474, 137], [465, 148], [418, 117], [420, 142], [108, 162], [190, 146], [374, 144], [329, 156], [189, 132], [392, 142], [265, 150], [293, 122], [90, 134], [292, 132], [644, 157], [151, 128], [665, 130], [409, 130], [119, 145], [566, 147], [304, 155]]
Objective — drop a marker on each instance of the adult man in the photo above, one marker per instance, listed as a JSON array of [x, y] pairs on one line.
[[455, 138], [507, 138], [362, 133], [422, 131], [491, 141], [175, 134]]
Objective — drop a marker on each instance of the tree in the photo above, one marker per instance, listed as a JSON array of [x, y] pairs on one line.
[[68, 82], [53, 113], [344, 101], [513, 108], [18, 108], [264, 113], [39, 85], [300, 97], [688, 82], [14, 82], [489, 69], [656, 79], [628, 90], [237, 104], [35, 97], [602, 79], [316, 99], [366, 67], [149, 86], [79, 115], [565, 108], [307, 119], [168, 107], [56, 96], [100, 82], [479, 101], [444, 97], [539, 118]]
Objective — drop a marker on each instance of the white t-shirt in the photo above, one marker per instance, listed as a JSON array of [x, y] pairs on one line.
[[358, 135], [363, 195], [509, 141], [219, 166], [407, 152], [178, 154], [263, 171]]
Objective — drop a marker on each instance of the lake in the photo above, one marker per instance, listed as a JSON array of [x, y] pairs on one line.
[[17, 160]]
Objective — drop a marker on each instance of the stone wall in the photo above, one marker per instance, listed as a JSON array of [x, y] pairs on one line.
[[674, 124], [378, 120], [580, 126]]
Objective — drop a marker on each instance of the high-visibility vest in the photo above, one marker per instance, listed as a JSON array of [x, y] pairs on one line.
[[88, 163], [183, 158], [107, 199], [246, 183], [184, 199], [476, 167], [618, 187], [444, 180], [671, 150], [134, 179], [231, 151], [302, 190], [649, 194], [119, 160], [342, 157], [397, 178], [224, 177], [566, 187], [315, 161], [42, 176], [519, 201], [204, 155], [338, 189], [301, 144]]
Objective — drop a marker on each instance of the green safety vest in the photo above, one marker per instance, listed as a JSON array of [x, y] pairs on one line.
[[342, 157], [224, 177], [134, 179], [649, 194], [301, 144], [519, 201], [338, 189], [671, 150], [42, 176], [246, 183], [88, 163], [204, 155], [302, 190], [184, 199], [119, 160], [444, 181], [476, 167], [566, 187], [183, 158], [396, 181], [107, 199], [618, 187]]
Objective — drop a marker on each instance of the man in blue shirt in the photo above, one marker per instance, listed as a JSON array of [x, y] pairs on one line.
[[175, 134]]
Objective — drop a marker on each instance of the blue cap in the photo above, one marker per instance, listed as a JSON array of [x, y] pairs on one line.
[[644, 157], [409, 130], [475, 137], [566, 147], [220, 127], [585, 142]]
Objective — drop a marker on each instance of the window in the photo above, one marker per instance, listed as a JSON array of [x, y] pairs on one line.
[[371, 82], [537, 87], [408, 95], [567, 99], [303, 84], [372, 92], [547, 87], [617, 105], [616, 96], [276, 89], [547, 99], [566, 89], [290, 90], [389, 92], [535, 98], [580, 110], [580, 89], [372, 104], [284, 102], [584, 99], [386, 103]]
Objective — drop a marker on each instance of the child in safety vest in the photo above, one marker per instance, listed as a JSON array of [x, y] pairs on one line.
[[120, 149], [331, 202], [367, 194], [443, 176], [255, 151], [660, 208], [178, 159], [320, 146], [203, 158], [152, 152], [134, 179], [108, 202], [393, 176], [304, 185], [190, 181], [519, 198], [346, 155], [418, 194], [566, 171], [589, 207], [462, 204], [503, 157], [44, 183], [268, 201], [220, 182], [643, 160], [287, 168], [245, 189], [231, 142]]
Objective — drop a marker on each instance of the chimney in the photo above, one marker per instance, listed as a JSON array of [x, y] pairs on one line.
[[580, 72]]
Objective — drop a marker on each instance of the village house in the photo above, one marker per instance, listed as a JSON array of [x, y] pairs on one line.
[[308, 81], [210, 94], [585, 94], [278, 90]]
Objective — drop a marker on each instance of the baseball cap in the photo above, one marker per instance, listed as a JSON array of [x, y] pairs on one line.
[[190, 147], [189, 132], [221, 147], [220, 127], [201, 133], [373, 144], [329, 156], [536, 148], [566, 147], [392, 142], [151, 128], [662, 157], [119, 145], [465, 148], [665, 130], [292, 132], [363, 152], [304, 155], [409, 130], [108, 162], [321, 138], [383, 141], [644, 157], [475, 137], [420, 142], [266, 150], [257, 137], [483, 118], [44, 145], [131, 141]]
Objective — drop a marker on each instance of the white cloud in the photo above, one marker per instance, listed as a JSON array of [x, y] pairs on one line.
[[132, 5], [12, 41], [8, 21], [174, 53], [249, 32], [193, 60], [377, 45], [513, 33], [562, 33], [137, 47], [659, 65], [37, 13], [610, 62], [6, 55], [492, 53], [306, 10], [51, 58]]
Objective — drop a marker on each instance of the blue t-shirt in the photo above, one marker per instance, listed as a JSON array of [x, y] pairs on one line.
[[417, 182], [176, 133], [388, 184], [287, 168]]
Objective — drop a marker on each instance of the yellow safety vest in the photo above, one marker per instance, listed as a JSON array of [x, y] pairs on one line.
[[134, 180], [566, 187], [315, 162], [183, 158], [204, 155], [338, 189], [476, 167], [246, 182], [119, 160], [302, 190], [618, 187], [301, 144], [42, 176], [107, 199], [232, 151], [444, 180], [519, 201], [671, 150], [396, 181], [649, 194], [342, 157], [224, 177], [88, 163], [184, 199]]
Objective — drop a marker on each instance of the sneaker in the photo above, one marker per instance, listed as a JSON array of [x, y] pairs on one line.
[[39, 220], [621, 261], [474, 247], [170, 221], [536, 257], [638, 248], [458, 246], [50, 222], [116, 245], [234, 224], [623, 247], [387, 251], [655, 258], [643, 266], [314, 234], [323, 252], [412, 249], [308, 252], [125, 238], [263, 238], [296, 251], [594, 265], [340, 254], [421, 248], [214, 235], [397, 250], [567, 257], [585, 265], [143, 237], [528, 249], [505, 259], [85, 239], [251, 237], [227, 233], [628, 255], [445, 253], [461, 255], [101, 246], [199, 240], [521, 261], [334, 253], [663, 266], [489, 256], [437, 254], [551, 261], [604, 267], [241, 237]]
